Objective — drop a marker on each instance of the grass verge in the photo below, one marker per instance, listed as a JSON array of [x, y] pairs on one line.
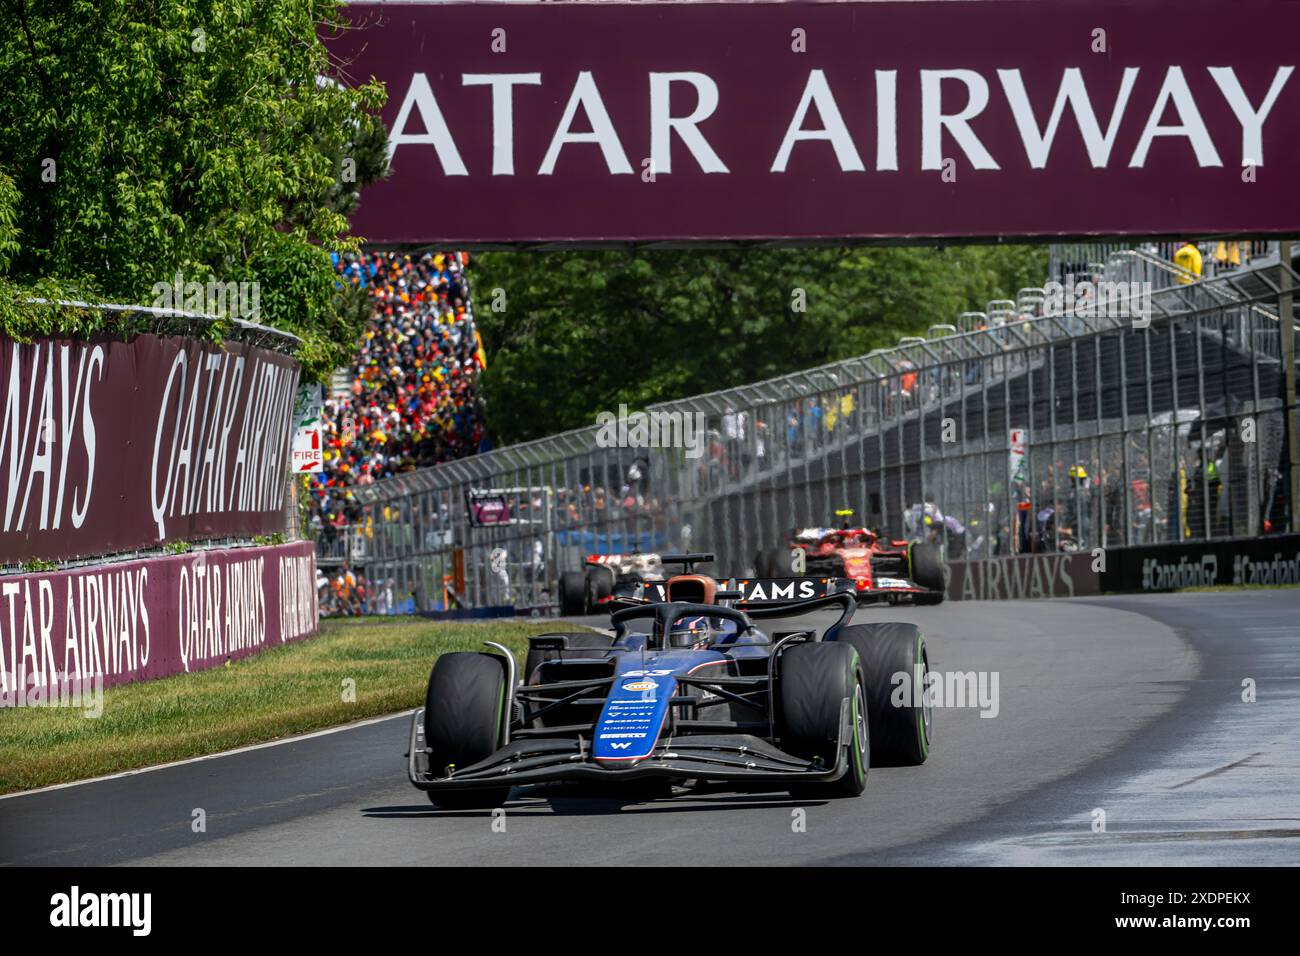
[[282, 691]]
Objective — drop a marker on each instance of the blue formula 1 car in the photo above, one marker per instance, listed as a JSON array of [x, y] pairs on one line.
[[687, 689]]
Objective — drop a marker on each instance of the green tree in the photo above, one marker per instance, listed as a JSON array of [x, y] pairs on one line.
[[144, 138], [571, 333]]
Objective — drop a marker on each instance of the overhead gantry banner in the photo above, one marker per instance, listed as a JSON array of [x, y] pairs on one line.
[[683, 122]]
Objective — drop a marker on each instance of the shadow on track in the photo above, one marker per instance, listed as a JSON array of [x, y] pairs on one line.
[[579, 804]]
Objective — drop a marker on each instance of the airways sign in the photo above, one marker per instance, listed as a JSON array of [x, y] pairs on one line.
[[666, 121]]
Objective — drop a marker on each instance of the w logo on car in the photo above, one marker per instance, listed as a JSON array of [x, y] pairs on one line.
[[622, 746]]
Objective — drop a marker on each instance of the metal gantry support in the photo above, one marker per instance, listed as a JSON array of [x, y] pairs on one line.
[[1287, 312]]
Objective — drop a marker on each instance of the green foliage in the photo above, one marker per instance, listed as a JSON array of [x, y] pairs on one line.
[[142, 138], [584, 331], [304, 509], [8, 221], [35, 565], [176, 547]]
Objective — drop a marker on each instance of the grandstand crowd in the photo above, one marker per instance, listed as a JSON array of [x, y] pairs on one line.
[[413, 399]]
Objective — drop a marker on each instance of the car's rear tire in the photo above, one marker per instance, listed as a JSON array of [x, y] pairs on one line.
[[577, 641], [901, 729], [573, 593], [814, 680], [600, 584], [925, 567], [464, 714], [778, 563]]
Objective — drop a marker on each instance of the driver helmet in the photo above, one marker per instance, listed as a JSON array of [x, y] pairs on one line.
[[695, 633]]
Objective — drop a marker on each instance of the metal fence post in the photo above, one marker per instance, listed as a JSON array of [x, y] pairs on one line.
[[1287, 329]]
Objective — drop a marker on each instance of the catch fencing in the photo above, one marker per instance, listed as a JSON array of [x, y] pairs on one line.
[[1147, 408]]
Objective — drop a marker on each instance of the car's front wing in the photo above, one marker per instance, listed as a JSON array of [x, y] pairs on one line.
[[889, 590], [739, 758]]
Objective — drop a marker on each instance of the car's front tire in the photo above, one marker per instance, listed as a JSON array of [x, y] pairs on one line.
[[464, 714], [814, 680], [925, 567]]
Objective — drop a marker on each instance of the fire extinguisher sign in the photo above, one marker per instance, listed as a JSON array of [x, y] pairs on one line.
[[308, 454]]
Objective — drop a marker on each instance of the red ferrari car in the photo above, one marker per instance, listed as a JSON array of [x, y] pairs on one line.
[[880, 568]]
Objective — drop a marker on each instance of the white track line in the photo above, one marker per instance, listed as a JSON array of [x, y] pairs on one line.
[[225, 753]]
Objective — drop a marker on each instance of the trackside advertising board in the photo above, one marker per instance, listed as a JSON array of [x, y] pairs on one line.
[[109, 445], [1272, 561], [681, 122], [115, 623], [1023, 576]]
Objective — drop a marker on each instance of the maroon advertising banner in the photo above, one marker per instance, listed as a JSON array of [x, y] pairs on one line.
[[110, 445], [135, 620], [534, 123], [1024, 576]]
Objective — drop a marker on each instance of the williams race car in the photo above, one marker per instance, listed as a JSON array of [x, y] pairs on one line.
[[687, 689], [880, 569]]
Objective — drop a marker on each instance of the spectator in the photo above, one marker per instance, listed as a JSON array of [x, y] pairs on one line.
[[1230, 255], [733, 431], [414, 401], [1188, 258]]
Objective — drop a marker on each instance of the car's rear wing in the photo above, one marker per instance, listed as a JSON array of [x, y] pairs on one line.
[[763, 598], [623, 556], [764, 592], [751, 593], [689, 560]]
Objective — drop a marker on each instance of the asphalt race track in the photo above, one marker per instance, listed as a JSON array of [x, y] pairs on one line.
[[1128, 705]]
